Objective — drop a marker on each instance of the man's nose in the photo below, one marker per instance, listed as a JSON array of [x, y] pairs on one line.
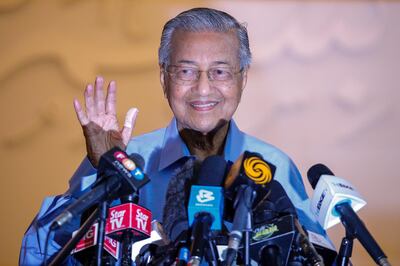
[[203, 84]]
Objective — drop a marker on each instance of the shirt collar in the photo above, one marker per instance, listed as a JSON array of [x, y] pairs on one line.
[[174, 148]]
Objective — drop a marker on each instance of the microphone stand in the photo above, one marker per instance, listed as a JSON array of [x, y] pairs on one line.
[[213, 258], [71, 244], [127, 237], [346, 250], [357, 229], [246, 240], [103, 207]]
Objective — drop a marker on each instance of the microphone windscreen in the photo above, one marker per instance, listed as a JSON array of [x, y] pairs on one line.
[[175, 219], [280, 199], [212, 171], [138, 159], [315, 172]]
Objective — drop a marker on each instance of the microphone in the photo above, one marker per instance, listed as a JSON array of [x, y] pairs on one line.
[[271, 240], [206, 205], [121, 220], [334, 200], [278, 233], [117, 175], [284, 205], [90, 240], [128, 217], [175, 218], [247, 176], [329, 191]]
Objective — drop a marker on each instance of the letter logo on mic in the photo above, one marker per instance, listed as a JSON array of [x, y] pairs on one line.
[[257, 170], [129, 164], [116, 218], [138, 174], [131, 217], [205, 196], [343, 186], [141, 220], [119, 155], [265, 231], [321, 199]]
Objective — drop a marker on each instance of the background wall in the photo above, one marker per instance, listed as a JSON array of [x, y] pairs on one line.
[[323, 87]]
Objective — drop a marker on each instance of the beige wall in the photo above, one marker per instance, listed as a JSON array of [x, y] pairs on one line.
[[323, 87]]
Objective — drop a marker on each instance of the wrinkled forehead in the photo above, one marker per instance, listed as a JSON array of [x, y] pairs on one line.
[[205, 48]]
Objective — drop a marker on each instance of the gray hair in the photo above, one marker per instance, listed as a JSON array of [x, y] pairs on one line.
[[204, 19]]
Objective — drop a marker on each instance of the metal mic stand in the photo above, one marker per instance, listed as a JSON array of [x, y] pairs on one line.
[[246, 239], [127, 237], [103, 207], [71, 244], [213, 258], [358, 230], [346, 250]]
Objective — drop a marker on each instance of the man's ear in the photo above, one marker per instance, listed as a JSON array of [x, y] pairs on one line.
[[163, 80]]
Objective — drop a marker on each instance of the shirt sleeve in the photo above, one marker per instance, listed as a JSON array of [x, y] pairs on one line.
[[33, 242]]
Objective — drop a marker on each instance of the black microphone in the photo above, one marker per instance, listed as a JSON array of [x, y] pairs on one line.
[[284, 205], [205, 206], [273, 230], [129, 236], [322, 178], [245, 183], [117, 176], [175, 218], [271, 255]]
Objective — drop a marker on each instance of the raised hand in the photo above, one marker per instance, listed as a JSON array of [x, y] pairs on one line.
[[99, 122]]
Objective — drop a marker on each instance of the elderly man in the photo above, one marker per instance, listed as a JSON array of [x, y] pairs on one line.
[[204, 58]]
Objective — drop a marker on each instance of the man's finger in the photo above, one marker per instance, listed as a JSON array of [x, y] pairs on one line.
[[111, 101], [129, 124], [80, 113], [89, 101], [99, 96]]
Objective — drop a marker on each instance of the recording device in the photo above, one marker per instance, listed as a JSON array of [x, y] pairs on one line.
[[334, 200], [206, 205], [329, 191], [128, 223], [128, 217], [245, 184], [121, 220], [175, 218], [125, 223], [271, 241], [204, 197], [175, 221], [278, 238], [117, 175]]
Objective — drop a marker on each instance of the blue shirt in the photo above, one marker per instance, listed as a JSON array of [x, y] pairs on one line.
[[162, 150]]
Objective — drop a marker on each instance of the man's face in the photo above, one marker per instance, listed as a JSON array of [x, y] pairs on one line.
[[203, 104]]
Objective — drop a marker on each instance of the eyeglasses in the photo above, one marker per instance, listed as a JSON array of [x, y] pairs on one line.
[[183, 75]]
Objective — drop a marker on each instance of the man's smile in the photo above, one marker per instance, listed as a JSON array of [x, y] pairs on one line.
[[203, 105]]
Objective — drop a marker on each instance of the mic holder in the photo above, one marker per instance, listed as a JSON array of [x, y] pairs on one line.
[[103, 207], [356, 227], [213, 258], [246, 240], [127, 237], [250, 195], [71, 244], [346, 250]]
